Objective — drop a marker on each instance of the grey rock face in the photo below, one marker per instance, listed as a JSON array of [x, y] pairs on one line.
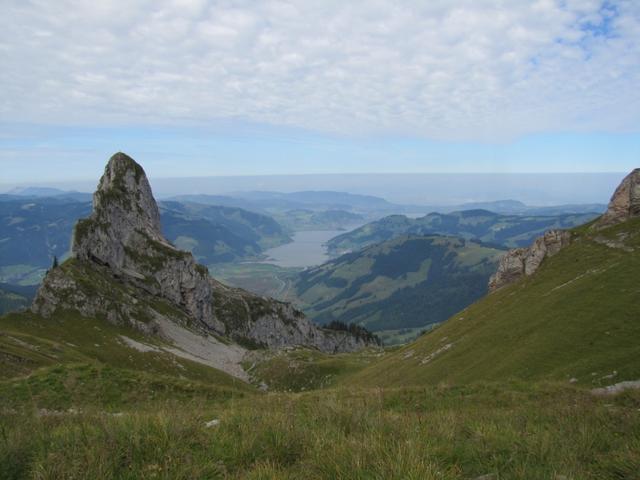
[[90, 291], [122, 249], [522, 262], [625, 202], [267, 323], [123, 233]]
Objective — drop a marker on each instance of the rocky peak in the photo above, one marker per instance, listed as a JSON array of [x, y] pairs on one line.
[[134, 271], [123, 206], [625, 202], [123, 233], [124, 186]]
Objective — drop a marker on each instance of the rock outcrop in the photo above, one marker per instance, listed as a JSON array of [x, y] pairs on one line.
[[625, 202], [124, 270], [522, 262], [124, 234], [624, 205]]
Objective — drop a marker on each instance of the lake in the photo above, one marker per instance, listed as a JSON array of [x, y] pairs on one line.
[[307, 249]]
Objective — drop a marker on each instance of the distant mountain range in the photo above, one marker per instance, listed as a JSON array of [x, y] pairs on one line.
[[303, 219], [515, 207], [35, 229], [36, 224], [276, 202], [311, 200], [483, 225], [47, 192], [331, 200]]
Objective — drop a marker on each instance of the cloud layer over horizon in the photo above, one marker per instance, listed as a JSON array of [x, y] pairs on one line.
[[476, 70]]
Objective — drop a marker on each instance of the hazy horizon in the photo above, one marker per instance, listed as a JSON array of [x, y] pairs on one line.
[[539, 189]]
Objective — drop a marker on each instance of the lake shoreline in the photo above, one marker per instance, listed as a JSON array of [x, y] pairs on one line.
[[308, 249]]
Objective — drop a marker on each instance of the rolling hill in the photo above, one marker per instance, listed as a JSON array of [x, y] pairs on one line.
[[255, 227], [217, 234], [483, 225], [408, 282], [32, 232], [303, 219]]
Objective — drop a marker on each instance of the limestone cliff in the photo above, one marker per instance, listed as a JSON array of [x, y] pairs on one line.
[[522, 262], [124, 234], [124, 270], [625, 202]]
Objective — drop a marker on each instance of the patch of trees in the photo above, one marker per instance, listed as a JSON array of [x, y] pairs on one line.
[[356, 330]]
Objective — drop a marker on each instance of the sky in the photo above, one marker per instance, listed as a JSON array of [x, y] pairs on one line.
[[219, 88]]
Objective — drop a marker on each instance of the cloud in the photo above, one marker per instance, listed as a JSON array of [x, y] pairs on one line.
[[465, 70]]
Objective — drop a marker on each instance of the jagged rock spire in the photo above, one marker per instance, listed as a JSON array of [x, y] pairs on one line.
[[625, 202], [124, 234], [122, 205], [121, 247], [125, 180]]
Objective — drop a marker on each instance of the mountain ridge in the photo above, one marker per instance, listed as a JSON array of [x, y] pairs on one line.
[[410, 281], [489, 227]]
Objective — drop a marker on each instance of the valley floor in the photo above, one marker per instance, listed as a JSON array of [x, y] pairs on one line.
[[484, 431]]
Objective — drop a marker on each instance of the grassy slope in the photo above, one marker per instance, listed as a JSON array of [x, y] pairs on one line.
[[506, 432], [304, 369], [409, 281], [501, 430], [577, 317], [31, 345]]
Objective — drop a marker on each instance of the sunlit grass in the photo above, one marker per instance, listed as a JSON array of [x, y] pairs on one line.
[[519, 432]]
